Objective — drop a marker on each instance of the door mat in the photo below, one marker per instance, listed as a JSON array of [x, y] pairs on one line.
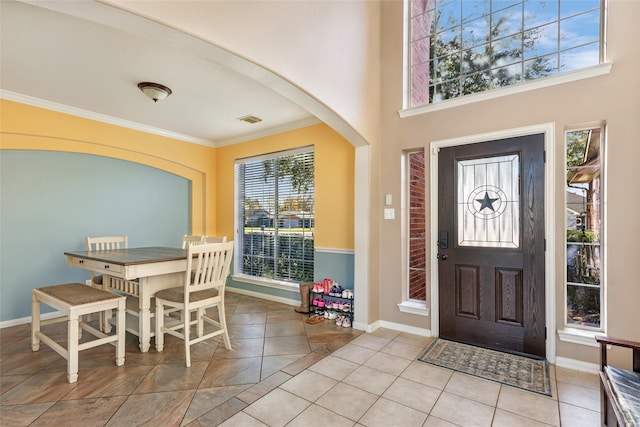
[[517, 371]]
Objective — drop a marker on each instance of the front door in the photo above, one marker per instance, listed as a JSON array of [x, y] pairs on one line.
[[491, 244]]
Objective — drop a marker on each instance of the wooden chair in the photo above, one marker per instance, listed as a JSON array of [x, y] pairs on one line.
[[215, 239], [619, 388], [102, 244], [189, 239], [75, 300], [204, 284]]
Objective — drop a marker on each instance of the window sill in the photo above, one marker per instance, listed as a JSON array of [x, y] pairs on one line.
[[579, 336], [595, 71], [275, 284], [411, 307]]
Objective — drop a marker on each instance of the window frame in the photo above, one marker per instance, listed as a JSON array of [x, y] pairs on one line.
[[412, 305], [238, 274], [558, 77], [574, 332]]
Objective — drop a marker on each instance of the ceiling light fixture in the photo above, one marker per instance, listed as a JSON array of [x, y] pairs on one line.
[[155, 91]]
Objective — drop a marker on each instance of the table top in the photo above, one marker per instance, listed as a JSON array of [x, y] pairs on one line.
[[133, 256]]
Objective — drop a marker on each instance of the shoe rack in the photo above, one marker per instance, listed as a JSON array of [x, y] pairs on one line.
[[329, 300]]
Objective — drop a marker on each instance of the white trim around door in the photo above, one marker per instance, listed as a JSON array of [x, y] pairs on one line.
[[548, 129]]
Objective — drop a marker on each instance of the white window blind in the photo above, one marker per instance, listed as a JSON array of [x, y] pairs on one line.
[[275, 205]]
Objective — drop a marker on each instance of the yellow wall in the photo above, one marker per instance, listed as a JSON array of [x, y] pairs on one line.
[[25, 127], [334, 181], [210, 170]]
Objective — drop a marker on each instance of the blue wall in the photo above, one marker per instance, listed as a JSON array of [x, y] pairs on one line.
[[336, 265], [50, 201]]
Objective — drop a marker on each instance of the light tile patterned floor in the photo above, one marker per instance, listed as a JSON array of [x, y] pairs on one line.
[[282, 372]]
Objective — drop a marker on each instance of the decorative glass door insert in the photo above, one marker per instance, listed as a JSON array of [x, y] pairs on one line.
[[488, 202]]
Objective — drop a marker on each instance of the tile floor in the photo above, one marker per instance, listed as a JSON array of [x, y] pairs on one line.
[[282, 372]]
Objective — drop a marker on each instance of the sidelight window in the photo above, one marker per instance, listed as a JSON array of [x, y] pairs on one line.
[[584, 227], [417, 262]]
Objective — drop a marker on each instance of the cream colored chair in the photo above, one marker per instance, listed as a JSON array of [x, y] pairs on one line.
[[189, 239], [204, 284], [102, 244], [215, 239], [75, 300]]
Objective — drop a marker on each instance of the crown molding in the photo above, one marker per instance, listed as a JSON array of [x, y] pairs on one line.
[[78, 112]]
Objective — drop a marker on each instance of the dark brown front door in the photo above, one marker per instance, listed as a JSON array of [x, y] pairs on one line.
[[491, 244]]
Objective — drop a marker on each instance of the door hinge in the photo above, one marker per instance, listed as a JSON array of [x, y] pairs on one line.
[[545, 332], [545, 245], [544, 156]]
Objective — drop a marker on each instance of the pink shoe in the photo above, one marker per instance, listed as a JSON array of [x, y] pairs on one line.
[[346, 323], [320, 302], [339, 320]]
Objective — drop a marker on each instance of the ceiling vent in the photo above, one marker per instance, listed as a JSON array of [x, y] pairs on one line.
[[250, 119]]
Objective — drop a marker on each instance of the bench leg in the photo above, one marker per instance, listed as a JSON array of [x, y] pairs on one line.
[[35, 323], [72, 350], [120, 331]]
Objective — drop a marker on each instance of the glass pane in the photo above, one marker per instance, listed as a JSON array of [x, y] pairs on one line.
[[573, 7], [417, 262], [540, 41], [541, 67], [488, 202], [579, 30], [449, 16], [420, 51], [506, 76], [581, 57], [475, 9], [583, 306], [475, 33], [583, 227], [539, 12], [507, 21]]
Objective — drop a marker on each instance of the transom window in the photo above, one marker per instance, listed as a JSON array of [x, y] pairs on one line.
[[584, 227], [462, 47], [275, 216]]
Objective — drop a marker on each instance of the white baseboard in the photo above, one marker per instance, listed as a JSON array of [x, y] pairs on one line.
[[397, 327], [577, 365], [287, 301], [25, 320]]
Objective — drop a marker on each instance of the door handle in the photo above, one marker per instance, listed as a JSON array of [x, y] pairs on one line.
[[442, 257]]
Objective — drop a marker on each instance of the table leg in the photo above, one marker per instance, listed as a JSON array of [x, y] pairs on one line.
[[120, 331], [144, 325]]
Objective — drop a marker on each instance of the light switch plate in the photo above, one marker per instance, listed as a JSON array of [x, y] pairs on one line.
[[389, 213]]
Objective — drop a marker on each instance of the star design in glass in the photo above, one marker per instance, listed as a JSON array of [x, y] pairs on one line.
[[486, 202]]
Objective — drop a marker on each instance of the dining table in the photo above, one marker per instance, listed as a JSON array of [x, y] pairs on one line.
[[137, 273]]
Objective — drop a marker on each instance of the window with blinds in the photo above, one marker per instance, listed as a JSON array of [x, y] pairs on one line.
[[275, 212]]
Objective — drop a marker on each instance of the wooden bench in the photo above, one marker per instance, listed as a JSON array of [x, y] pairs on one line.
[[75, 300], [619, 388]]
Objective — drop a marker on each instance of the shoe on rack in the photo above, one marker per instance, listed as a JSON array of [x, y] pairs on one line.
[[320, 302], [333, 315], [346, 322], [339, 320], [347, 307]]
